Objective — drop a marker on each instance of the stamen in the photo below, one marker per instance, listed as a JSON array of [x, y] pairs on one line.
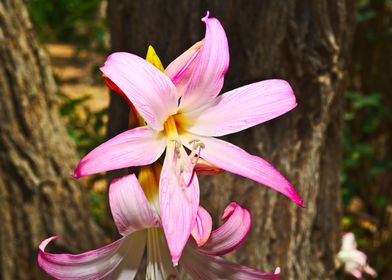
[[178, 145], [197, 145], [194, 156], [194, 169]]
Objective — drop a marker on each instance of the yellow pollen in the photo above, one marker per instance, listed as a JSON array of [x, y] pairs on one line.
[[170, 128]]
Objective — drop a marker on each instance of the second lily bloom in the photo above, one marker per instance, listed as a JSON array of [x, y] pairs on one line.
[[133, 206]]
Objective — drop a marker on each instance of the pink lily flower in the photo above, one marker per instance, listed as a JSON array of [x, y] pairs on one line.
[[182, 109], [355, 261], [139, 224]]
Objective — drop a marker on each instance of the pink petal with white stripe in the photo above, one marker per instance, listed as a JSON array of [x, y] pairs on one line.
[[242, 108], [231, 234], [159, 263], [130, 208], [179, 202], [202, 228], [135, 147], [204, 267], [149, 90], [235, 160], [181, 69], [118, 260], [206, 74]]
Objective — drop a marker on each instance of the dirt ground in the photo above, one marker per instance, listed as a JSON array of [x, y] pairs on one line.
[[77, 74]]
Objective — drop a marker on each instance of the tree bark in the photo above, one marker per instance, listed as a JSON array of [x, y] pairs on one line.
[[38, 196], [304, 42]]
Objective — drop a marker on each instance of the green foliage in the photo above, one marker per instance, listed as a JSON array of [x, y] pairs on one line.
[[98, 208], [70, 21], [85, 127], [368, 111], [367, 160]]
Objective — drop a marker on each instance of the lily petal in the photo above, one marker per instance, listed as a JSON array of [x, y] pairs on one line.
[[135, 147], [159, 263], [242, 108], [149, 90], [179, 201], [180, 70], [231, 234], [369, 270], [348, 242], [205, 75], [235, 160], [130, 208], [118, 260], [204, 267], [205, 168], [202, 228]]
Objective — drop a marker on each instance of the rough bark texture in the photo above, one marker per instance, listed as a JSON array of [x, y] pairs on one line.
[[304, 42], [38, 197]]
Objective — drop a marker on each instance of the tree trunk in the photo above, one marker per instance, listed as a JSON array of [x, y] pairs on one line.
[[38, 196], [304, 42]]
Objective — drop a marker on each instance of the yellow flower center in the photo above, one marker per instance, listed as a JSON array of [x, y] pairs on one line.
[[149, 181], [170, 127]]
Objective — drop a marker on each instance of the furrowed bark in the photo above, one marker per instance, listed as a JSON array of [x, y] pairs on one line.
[[38, 197]]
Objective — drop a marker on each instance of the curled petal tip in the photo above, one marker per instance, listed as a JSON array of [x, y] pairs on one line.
[[77, 174], [301, 203], [277, 270], [46, 242], [228, 210], [206, 17]]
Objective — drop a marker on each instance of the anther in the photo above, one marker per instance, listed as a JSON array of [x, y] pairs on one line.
[[177, 142], [193, 141], [197, 145], [178, 145]]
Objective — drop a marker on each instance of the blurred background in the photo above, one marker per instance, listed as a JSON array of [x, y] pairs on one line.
[[336, 54]]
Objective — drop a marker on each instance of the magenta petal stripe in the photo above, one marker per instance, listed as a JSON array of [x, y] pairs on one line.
[[235, 160], [242, 108], [130, 209], [206, 78], [231, 234], [135, 147], [118, 260], [150, 91]]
